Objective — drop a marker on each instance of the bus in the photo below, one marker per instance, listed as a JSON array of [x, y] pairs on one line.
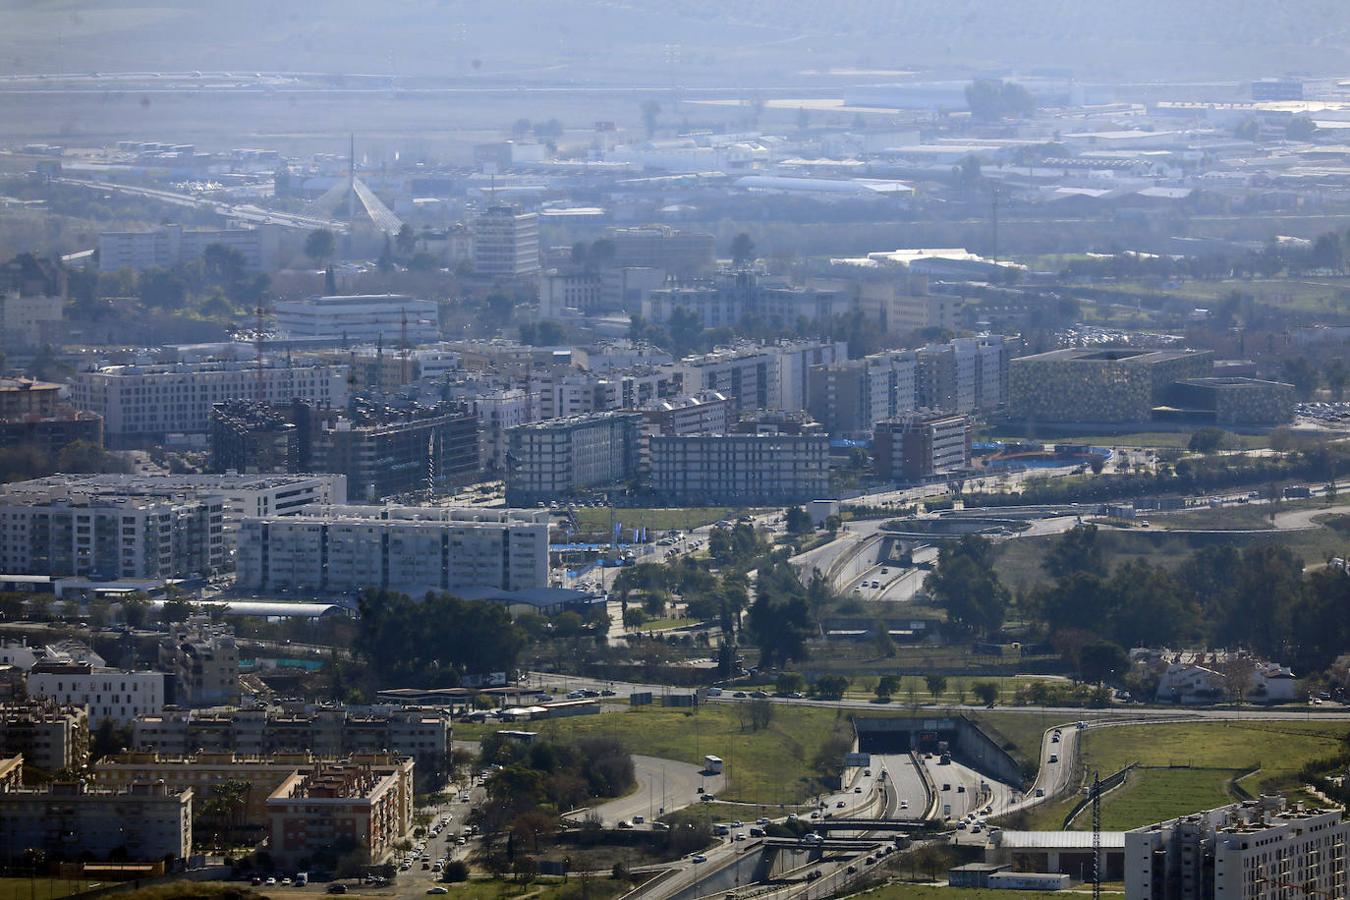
[[712, 765]]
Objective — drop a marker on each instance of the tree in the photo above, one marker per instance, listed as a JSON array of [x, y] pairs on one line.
[[965, 585], [761, 714], [742, 250], [176, 610], [1300, 128], [986, 692], [108, 739], [936, 684], [651, 109], [1077, 550], [320, 245], [1328, 253], [1103, 661], [1336, 375], [990, 99], [832, 687], [1302, 374], [887, 685], [406, 240], [789, 683], [882, 641], [798, 521], [1209, 439], [329, 282]]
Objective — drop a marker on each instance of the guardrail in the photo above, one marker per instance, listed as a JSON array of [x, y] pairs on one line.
[[1109, 783], [930, 810]]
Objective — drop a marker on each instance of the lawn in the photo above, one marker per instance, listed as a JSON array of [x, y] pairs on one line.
[[1142, 439], [596, 519], [666, 624], [768, 766], [1203, 757], [900, 890], [1305, 294], [40, 888]]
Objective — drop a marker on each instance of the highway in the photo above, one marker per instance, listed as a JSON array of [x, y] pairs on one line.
[[664, 785]]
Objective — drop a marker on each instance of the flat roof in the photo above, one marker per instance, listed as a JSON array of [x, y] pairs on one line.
[[1059, 840]]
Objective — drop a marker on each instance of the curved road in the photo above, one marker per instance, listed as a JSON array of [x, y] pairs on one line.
[[661, 782]]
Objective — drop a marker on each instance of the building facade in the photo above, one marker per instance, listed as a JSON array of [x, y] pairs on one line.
[[50, 736], [1110, 385], [556, 458], [143, 404], [343, 550], [740, 469], [921, 446], [104, 693], [172, 245], [506, 243], [395, 319], [1255, 850], [357, 806], [203, 659]]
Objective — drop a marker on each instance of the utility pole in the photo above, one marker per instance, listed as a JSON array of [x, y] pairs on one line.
[[1096, 835]]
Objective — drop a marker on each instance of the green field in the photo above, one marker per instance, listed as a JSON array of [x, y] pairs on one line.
[[1140, 439], [666, 624], [769, 766], [41, 888], [1186, 767], [1304, 294], [596, 520], [900, 890]]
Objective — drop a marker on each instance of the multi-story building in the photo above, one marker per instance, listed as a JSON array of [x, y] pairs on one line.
[[964, 375], [146, 822], [203, 659], [573, 392], [1231, 401], [1108, 385], [64, 532], [556, 458], [748, 375], [901, 308], [143, 404], [360, 318], [361, 806], [922, 445], [848, 398], [506, 243], [740, 469], [706, 412], [172, 245], [560, 291], [50, 736], [679, 252], [31, 321], [421, 733], [32, 414], [105, 693], [713, 305], [1255, 850], [380, 451], [499, 410], [344, 549]]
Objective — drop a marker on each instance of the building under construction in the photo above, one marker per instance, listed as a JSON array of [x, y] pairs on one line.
[[384, 451]]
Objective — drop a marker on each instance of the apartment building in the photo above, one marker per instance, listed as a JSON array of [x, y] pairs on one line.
[[61, 532], [499, 410], [203, 659], [344, 549], [706, 412], [171, 245], [31, 321], [420, 733], [146, 822], [964, 375], [143, 404], [740, 469], [367, 805], [105, 693], [922, 445], [506, 243], [673, 250], [32, 414], [51, 736], [848, 398], [396, 319], [571, 392], [1254, 850], [556, 458]]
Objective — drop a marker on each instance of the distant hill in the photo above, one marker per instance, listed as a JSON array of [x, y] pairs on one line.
[[744, 42]]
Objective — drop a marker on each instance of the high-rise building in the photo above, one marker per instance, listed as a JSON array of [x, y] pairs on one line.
[[557, 458], [1255, 850], [143, 404], [773, 376], [850, 397], [506, 243], [922, 445], [706, 412], [203, 659], [345, 549]]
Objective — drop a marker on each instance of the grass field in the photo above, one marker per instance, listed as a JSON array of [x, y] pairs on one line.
[[666, 624], [768, 766], [1142, 439], [1306, 294], [595, 519], [40, 888], [1206, 755], [900, 890]]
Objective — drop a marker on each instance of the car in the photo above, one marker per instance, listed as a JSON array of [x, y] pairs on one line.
[[1040, 792], [425, 865], [796, 695], [813, 875], [867, 773], [960, 788], [857, 789], [714, 692], [638, 820], [756, 831], [270, 881], [904, 804], [762, 820], [1054, 739], [946, 786], [256, 881], [737, 824], [625, 824], [607, 693], [961, 826], [286, 880], [740, 836], [1054, 757], [851, 869], [660, 826], [699, 858], [815, 815], [438, 890], [839, 805], [740, 695], [707, 798], [760, 695], [976, 829]]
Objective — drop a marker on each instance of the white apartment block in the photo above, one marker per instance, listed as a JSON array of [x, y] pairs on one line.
[[552, 459], [774, 376], [104, 693], [204, 660], [46, 533], [1254, 850], [142, 404], [344, 549], [171, 245], [52, 737], [361, 318], [506, 243], [145, 822]]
